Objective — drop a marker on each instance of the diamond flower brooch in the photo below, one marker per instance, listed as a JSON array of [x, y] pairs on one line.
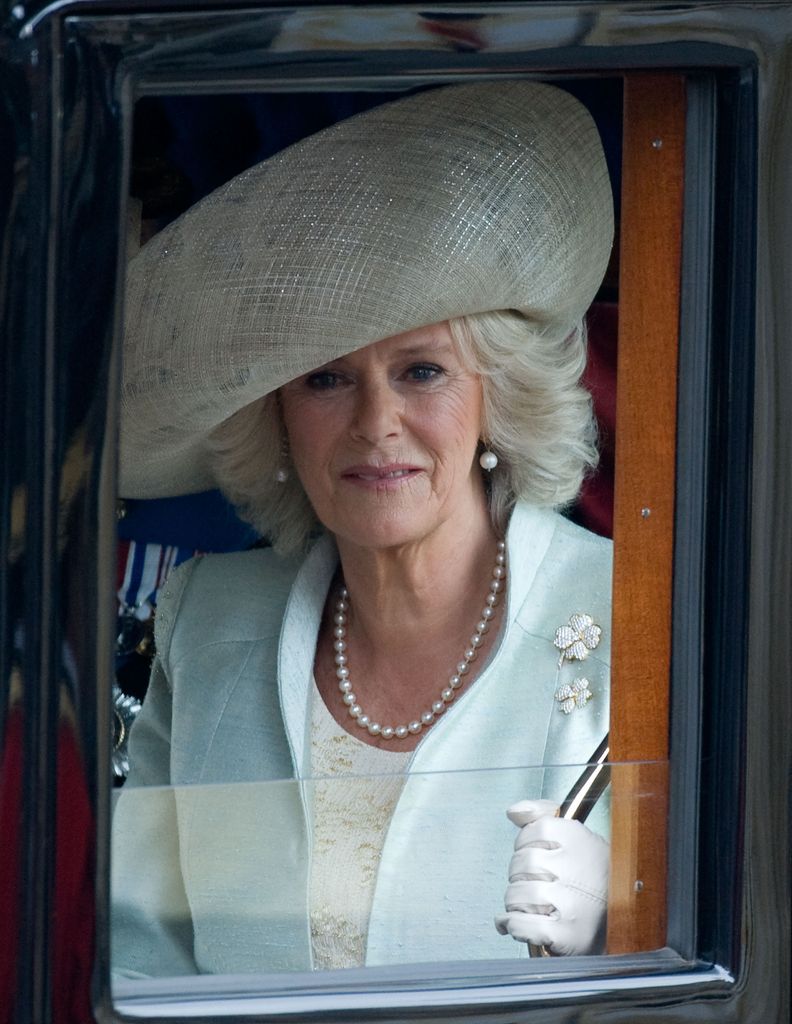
[[574, 641], [573, 695]]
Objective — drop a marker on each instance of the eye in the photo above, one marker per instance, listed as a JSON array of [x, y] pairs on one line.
[[424, 371], [323, 380]]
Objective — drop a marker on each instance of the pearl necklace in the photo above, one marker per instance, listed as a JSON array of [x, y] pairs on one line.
[[455, 682]]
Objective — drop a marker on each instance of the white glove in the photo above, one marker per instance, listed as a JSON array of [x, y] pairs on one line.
[[558, 882]]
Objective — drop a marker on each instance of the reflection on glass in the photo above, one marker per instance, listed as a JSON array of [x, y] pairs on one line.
[[219, 879]]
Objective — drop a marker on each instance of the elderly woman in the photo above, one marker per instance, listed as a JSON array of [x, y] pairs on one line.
[[373, 343]]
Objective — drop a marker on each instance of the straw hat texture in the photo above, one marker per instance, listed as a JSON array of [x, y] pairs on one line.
[[447, 202]]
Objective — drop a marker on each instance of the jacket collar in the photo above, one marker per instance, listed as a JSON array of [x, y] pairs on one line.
[[297, 647], [528, 538]]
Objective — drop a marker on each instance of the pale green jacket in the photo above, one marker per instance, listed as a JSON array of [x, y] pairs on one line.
[[211, 873]]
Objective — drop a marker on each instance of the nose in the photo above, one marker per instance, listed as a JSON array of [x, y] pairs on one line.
[[378, 412]]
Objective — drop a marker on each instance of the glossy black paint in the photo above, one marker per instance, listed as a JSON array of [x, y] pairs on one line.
[[68, 76]]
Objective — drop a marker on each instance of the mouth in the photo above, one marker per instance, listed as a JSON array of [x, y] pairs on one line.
[[379, 474]]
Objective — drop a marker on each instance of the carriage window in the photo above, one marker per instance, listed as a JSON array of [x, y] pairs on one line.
[[369, 856]]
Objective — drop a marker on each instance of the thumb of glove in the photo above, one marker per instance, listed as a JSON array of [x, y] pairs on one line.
[[525, 812]]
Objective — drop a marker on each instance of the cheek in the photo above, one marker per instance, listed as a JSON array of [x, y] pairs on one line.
[[308, 456], [455, 421], [308, 427]]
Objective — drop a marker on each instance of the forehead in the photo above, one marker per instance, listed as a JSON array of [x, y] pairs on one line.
[[432, 339]]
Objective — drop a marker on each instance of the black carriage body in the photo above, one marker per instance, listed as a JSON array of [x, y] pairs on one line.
[[70, 74]]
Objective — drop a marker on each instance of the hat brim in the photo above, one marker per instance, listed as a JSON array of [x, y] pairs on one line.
[[445, 203]]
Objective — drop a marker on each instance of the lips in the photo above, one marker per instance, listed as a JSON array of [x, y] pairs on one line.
[[379, 474], [384, 476]]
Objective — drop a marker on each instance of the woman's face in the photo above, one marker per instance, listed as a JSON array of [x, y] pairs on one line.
[[384, 440]]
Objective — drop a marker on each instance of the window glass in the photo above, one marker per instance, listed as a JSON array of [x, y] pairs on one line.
[[247, 891]]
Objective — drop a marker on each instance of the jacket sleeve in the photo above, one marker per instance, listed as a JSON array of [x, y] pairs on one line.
[[151, 925]]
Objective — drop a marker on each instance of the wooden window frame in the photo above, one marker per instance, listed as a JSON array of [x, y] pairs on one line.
[[653, 154]]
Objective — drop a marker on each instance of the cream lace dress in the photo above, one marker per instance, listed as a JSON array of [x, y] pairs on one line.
[[355, 792]]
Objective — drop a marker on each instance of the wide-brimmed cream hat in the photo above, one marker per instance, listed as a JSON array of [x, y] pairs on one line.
[[447, 202]]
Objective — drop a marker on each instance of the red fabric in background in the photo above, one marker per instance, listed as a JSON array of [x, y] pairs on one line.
[[10, 828], [594, 508], [72, 926]]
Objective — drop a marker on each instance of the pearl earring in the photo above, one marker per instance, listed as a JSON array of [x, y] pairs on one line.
[[488, 460]]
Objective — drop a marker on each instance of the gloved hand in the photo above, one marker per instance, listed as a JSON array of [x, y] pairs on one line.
[[558, 882]]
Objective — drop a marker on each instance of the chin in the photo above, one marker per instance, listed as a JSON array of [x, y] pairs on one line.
[[382, 532]]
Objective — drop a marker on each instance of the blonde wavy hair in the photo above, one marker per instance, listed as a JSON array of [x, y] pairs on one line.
[[538, 419]]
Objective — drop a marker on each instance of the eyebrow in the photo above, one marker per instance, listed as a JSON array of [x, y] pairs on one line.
[[408, 352], [414, 350]]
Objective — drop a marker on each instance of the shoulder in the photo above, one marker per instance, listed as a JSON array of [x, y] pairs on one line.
[[569, 548], [578, 543], [235, 596]]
